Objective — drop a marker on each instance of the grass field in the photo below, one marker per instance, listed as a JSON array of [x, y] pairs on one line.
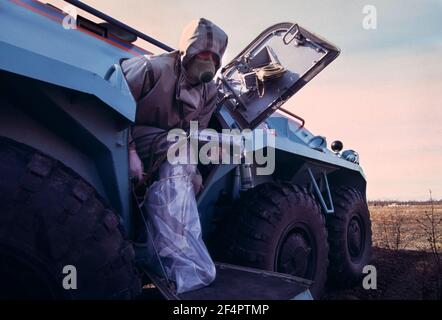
[[403, 226]]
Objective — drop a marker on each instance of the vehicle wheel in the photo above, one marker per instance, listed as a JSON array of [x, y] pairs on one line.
[[349, 234], [277, 227], [50, 218]]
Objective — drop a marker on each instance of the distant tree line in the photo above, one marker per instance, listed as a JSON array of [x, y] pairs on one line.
[[410, 202]]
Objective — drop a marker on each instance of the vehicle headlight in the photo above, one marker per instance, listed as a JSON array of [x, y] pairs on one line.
[[351, 155]]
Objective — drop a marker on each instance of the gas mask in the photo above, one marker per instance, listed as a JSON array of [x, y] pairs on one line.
[[201, 70]]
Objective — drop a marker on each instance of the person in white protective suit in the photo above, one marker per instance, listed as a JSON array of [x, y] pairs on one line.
[[171, 90]]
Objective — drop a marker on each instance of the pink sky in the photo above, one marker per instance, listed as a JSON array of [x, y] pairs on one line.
[[381, 97], [388, 110]]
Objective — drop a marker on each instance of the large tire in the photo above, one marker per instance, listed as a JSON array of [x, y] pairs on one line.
[[50, 218], [277, 227], [349, 232]]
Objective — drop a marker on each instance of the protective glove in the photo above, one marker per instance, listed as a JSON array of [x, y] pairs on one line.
[[135, 165]]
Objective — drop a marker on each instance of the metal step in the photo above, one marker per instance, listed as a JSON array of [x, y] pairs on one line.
[[241, 283]]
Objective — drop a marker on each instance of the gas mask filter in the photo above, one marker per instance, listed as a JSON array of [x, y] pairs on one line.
[[201, 70]]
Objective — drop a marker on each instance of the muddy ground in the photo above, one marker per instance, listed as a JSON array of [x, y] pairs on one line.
[[401, 275]]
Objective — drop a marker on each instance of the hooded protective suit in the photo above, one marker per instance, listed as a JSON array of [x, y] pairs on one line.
[[169, 95], [166, 95]]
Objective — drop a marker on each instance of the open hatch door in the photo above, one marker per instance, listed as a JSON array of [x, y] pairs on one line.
[[271, 69], [241, 283]]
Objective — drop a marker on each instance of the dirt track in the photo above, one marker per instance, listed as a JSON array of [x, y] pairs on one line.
[[402, 275]]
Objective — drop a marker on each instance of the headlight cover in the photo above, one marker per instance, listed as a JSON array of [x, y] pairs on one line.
[[318, 143], [351, 155]]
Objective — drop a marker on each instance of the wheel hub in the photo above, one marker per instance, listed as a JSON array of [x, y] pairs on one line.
[[355, 237], [296, 255]]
